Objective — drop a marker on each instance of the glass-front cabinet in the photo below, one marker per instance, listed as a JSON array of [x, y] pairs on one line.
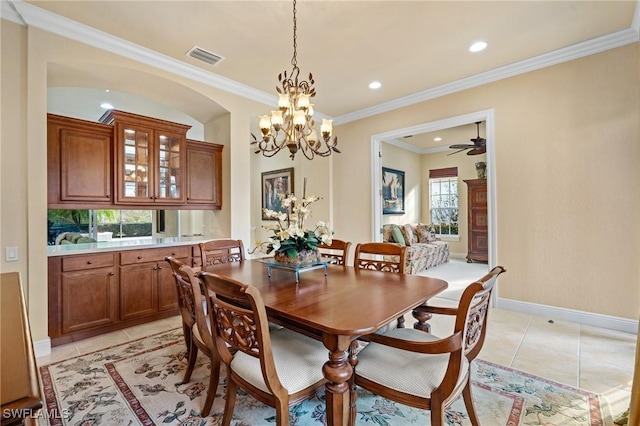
[[150, 159]]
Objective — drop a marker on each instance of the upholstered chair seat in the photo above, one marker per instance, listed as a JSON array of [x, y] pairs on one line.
[[297, 359], [413, 373]]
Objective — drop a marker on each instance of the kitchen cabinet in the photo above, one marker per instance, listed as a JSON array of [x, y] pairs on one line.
[[146, 283], [86, 287], [150, 159], [79, 159], [92, 294], [478, 235], [204, 174]]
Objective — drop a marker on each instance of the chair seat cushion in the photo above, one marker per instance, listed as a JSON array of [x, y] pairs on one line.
[[409, 372], [298, 359]]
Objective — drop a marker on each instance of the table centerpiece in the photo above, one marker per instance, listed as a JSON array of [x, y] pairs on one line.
[[292, 242]]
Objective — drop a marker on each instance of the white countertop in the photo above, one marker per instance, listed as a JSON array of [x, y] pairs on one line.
[[115, 245]]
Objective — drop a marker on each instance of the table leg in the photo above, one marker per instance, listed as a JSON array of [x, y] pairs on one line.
[[422, 318], [337, 371]]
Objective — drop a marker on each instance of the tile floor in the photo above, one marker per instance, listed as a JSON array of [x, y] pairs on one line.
[[587, 357]]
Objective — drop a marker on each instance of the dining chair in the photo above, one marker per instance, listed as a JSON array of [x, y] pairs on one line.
[[193, 309], [278, 368], [419, 369], [213, 252], [337, 251], [385, 257]]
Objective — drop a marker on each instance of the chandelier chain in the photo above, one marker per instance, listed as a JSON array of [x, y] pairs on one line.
[[294, 59]]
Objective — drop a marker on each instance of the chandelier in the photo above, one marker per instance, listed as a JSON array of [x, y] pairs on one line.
[[292, 125]]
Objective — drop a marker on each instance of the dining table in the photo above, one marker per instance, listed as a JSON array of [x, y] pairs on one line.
[[336, 304]]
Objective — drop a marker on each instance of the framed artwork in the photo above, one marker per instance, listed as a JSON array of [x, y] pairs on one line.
[[274, 183], [392, 191]]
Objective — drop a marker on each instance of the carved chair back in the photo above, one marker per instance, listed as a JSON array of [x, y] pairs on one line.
[[214, 252], [338, 251], [193, 309], [386, 257]]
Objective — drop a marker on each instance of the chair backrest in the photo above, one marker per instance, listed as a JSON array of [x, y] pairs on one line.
[[240, 323], [214, 252], [473, 310], [186, 300], [338, 251], [386, 257]]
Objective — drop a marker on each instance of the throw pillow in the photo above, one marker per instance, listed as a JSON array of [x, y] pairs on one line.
[[387, 233], [432, 234], [397, 235], [409, 235], [423, 233]]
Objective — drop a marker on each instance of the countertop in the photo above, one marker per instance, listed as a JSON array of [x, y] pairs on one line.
[[114, 245]]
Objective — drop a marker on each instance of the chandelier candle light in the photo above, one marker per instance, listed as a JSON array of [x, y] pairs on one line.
[[292, 125]]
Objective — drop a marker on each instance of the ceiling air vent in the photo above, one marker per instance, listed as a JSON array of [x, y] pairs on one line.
[[204, 55]]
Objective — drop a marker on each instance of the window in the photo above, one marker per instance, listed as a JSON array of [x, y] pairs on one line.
[[443, 196], [101, 225]]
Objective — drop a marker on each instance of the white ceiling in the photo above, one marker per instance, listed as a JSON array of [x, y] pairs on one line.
[[416, 49]]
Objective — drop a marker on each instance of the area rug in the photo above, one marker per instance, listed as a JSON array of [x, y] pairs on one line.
[[138, 383]]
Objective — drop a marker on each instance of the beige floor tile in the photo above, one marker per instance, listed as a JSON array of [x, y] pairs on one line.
[[548, 363], [58, 353], [96, 343], [559, 336], [154, 327]]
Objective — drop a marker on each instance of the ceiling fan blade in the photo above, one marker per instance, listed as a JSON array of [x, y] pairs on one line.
[[477, 151], [462, 146], [457, 151]]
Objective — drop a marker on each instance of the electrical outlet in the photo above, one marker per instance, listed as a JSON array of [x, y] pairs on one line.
[[11, 254]]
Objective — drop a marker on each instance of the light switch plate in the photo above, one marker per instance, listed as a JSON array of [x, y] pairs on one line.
[[11, 254]]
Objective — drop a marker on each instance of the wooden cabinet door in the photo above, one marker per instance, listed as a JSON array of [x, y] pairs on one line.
[[79, 163], [88, 299], [478, 236], [138, 288], [170, 162], [167, 294], [135, 169], [204, 174]]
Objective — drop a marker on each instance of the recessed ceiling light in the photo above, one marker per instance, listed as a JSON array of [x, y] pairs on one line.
[[106, 105], [478, 46], [438, 139], [375, 85]]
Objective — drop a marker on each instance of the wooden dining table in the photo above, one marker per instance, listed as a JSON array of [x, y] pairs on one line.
[[338, 305]]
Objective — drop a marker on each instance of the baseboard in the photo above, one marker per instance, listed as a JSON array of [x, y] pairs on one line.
[[460, 256], [42, 347], [571, 315]]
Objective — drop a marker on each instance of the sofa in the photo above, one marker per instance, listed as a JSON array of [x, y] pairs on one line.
[[424, 249]]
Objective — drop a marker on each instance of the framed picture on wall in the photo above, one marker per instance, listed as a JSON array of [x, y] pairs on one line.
[[274, 183], [392, 191]]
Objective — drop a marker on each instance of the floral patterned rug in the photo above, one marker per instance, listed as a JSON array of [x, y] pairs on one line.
[[138, 383]]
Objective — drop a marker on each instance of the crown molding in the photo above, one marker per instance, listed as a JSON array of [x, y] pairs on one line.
[[56, 24], [8, 12], [579, 50], [26, 14]]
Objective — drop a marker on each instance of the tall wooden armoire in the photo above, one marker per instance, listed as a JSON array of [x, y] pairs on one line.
[[478, 238]]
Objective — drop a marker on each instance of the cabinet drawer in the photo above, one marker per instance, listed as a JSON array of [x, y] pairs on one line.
[[90, 261], [130, 257]]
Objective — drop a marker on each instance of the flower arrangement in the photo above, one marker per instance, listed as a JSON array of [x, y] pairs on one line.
[[291, 240]]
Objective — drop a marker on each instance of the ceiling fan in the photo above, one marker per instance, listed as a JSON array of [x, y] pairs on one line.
[[479, 145]]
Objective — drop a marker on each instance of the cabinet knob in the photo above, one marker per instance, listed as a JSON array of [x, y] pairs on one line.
[[111, 273], [159, 267], [107, 196], [89, 262], [139, 257]]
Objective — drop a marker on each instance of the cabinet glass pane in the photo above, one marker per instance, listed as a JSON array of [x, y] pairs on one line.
[[169, 162], [136, 163]]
